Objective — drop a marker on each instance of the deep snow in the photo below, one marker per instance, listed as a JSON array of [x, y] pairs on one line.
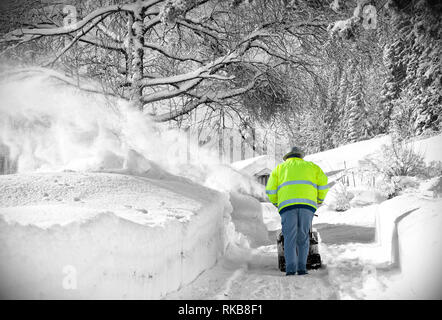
[[357, 263], [103, 191], [106, 196], [132, 236], [126, 236], [365, 254]]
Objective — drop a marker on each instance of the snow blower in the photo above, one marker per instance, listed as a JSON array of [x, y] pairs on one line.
[[313, 259]]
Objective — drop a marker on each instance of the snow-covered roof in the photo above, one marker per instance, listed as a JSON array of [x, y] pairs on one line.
[[263, 172], [255, 166]]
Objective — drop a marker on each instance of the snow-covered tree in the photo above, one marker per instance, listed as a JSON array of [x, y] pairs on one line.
[[343, 88], [402, 119], [392, 84], [331, 118], [357, 126], [153, 51], [414, 63]]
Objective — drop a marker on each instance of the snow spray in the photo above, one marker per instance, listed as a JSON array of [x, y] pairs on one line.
[[50, 126]]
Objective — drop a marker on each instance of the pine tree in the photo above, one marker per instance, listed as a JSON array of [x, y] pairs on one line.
[[331, 118], [357, 127], [343, 91], [425, 77], [414, 63], [339, 133], [401, 123], [392, 85], [345, 120]]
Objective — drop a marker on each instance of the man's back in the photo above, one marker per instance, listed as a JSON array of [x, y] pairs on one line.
[[297, 183]]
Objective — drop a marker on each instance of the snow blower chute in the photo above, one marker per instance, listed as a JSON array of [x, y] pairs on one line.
[[313, 259]]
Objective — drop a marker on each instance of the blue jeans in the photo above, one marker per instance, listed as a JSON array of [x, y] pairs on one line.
[[296, 225]]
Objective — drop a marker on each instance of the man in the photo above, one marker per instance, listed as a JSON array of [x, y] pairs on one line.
[[296, 187]]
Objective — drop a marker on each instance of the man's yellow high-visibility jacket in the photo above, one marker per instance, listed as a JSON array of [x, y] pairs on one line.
[[297, 183]]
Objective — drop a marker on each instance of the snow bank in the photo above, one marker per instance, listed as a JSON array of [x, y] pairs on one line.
[[121, 236], [348, 156], [351, 154], [420, 250], [271, 216], [430, 148], [408, 232], [247, 217], [362, 216], [386, 216]]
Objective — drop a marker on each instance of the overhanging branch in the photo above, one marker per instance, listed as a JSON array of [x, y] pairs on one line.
[[218, 97]]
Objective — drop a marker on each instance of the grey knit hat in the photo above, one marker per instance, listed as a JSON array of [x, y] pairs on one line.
[[295, 152]]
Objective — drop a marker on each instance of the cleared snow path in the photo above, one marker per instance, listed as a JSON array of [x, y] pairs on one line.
[[257, 279], [343, 276], [353, 267]]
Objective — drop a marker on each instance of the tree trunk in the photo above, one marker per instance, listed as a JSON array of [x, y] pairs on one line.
[[128, 43], [138, 57], [254, 141], [221, 136]]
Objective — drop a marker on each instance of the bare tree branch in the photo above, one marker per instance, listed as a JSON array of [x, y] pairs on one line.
[[217, 96], [76, 38]]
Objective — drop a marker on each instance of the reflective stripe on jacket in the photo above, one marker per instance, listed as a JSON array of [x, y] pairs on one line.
[[297, 182]]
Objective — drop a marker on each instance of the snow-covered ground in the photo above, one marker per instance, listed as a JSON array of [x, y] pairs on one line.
[[105, 206], [129, 236], [349, 156], [378, 249], [125, 236]]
